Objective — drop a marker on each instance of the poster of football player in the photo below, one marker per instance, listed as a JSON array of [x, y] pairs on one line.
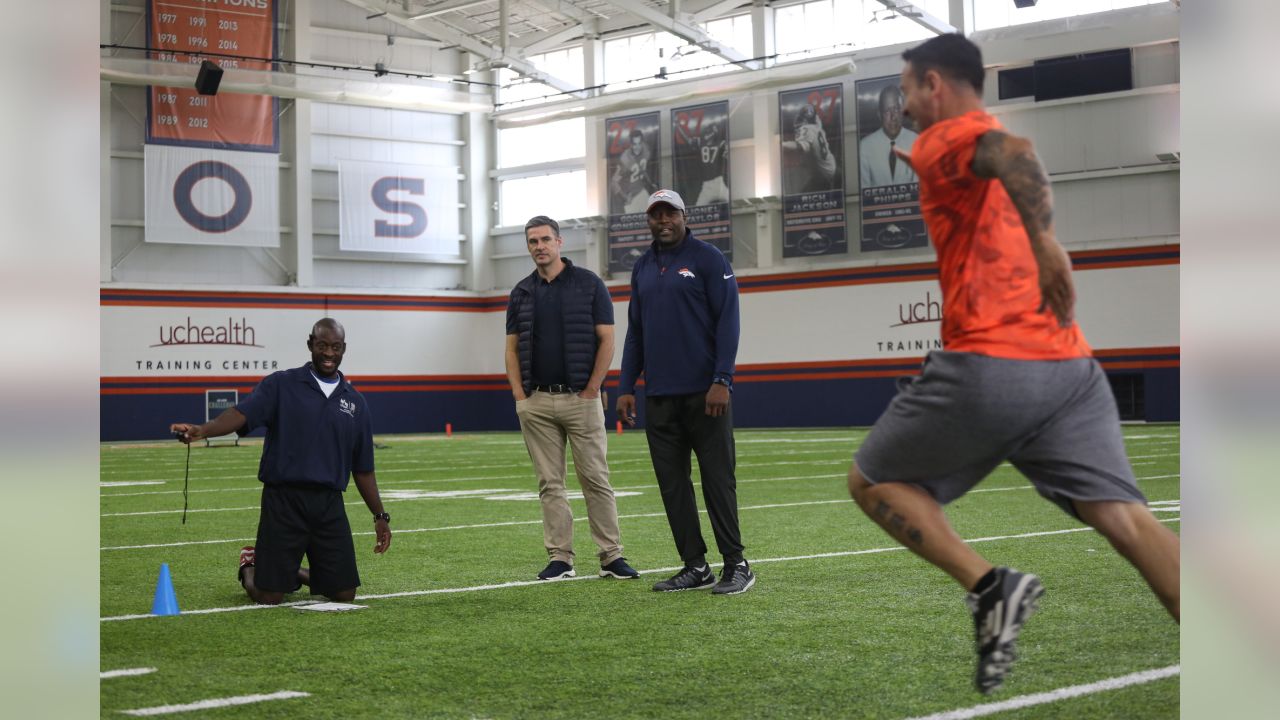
[[890, 192], [700, 170], [631, 165], [813, 212]]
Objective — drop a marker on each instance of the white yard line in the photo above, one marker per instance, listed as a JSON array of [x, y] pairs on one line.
[[215, 703], [619, 488], [180, 510], [1024, 701], [127, 672], [536, 522], [650, 571]]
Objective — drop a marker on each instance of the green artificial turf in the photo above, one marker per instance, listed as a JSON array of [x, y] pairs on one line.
[[846, 634]]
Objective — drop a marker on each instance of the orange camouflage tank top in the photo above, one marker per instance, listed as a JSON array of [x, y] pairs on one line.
[[989, 277]]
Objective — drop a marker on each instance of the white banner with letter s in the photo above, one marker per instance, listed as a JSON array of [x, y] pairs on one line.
[[387, 207], [198, 196]]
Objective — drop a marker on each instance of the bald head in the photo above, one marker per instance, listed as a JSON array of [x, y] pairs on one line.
[[328, 324], [891, 110]]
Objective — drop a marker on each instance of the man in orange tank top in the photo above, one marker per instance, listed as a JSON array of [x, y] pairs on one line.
[[1015, 380]]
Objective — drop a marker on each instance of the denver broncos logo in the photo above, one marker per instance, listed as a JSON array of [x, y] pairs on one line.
[[686, 272]]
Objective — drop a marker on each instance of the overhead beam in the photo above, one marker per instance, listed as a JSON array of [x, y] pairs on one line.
[[447, 8], [916, 14], [554, 40], [476, 47], [717, 10], [681, 29]]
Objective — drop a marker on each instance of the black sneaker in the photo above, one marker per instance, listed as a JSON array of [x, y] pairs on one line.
[[998, 615], [619, 569], [690, 578], [556, 570], [735, 579]]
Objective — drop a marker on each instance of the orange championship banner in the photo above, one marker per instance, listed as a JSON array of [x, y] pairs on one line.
[[195, 30]]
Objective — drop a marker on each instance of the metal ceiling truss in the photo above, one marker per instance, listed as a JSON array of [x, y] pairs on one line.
[[503, 33], [492, 56], [917, 15], [682, 26]]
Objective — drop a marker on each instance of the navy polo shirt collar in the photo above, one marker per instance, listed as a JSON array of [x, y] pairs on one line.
[[307, 374]]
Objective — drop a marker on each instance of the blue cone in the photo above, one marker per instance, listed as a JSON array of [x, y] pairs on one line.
[[166, 602]]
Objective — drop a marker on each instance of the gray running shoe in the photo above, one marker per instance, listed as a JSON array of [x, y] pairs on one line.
[[735, 579], [690, 578], [998, 615]]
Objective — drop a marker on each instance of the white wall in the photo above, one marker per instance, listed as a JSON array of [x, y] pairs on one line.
[[1119, 308], [1101, 151], [335, 32]]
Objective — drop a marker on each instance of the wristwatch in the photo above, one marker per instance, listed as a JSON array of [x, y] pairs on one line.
[[722, 380], [385, 516]]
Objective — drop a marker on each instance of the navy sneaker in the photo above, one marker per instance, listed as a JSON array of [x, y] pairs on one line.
[[556, 570], [619, 569], [998, 615], [690, 578], [734, 579]]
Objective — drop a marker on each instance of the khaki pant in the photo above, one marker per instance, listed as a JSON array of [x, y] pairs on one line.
[[547, 420]]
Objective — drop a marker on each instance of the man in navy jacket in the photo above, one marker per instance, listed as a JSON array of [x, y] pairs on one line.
[[319, 435], [682, 334]]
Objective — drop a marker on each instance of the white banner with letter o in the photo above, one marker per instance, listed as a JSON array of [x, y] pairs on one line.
[[387, 207], [198, 196]]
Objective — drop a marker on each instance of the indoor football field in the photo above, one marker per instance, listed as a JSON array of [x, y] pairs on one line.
[[842, 623]]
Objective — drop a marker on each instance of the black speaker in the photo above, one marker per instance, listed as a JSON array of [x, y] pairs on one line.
[[1085, 74], [1017, 82], [209, 78], [1024, 3]]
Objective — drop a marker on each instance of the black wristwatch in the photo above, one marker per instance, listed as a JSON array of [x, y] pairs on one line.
[[386, 516]]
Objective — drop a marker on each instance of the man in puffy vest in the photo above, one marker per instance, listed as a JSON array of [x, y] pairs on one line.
[[559, 346]]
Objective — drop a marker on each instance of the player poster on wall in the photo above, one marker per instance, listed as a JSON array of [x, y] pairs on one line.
[[632, 150], [700, 170], [812, 130], [890, 191]]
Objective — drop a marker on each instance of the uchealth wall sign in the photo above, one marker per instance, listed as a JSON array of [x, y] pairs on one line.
[[195, 341], [387, 207], [197, 196]]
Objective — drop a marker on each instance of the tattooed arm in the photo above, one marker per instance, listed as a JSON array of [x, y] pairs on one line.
[[1013, 161]]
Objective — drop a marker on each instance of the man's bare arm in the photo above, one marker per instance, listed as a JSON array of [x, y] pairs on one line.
[[1013, 161]]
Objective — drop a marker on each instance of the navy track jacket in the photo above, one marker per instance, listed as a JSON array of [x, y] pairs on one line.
[[682, 322]]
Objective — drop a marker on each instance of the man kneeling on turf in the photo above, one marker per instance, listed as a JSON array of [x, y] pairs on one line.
[[319, 434]]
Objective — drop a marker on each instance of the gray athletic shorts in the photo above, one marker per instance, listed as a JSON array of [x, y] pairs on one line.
[[1054, 420]]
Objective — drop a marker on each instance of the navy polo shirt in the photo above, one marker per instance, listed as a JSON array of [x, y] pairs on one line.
[[311, 439], [548, 332]]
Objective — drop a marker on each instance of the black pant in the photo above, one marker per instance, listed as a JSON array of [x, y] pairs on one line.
[[676, 425]]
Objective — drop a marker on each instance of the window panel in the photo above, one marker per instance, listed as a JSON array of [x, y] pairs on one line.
[[565, 64], [989, 14], [546, 142], [827, 27], [557, 195]]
